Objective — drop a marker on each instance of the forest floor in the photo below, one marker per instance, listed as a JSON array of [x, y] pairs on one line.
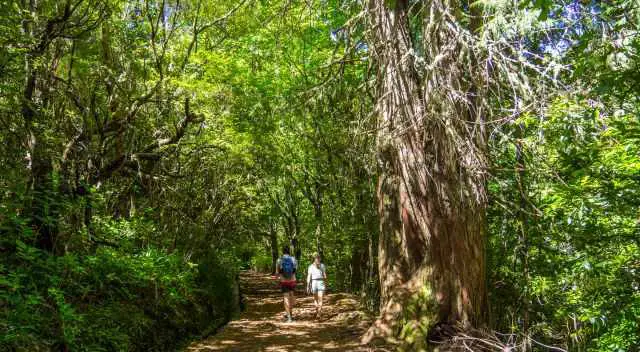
[[261, 327]]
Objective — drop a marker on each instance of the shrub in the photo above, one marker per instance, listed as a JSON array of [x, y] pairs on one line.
[[111, 300]]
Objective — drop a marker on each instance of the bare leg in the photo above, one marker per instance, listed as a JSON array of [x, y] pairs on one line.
[[315, 303], [287, 306], [292, 301], [320, 294]]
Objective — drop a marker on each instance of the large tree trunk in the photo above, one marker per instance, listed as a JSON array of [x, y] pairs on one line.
[[431, 188]]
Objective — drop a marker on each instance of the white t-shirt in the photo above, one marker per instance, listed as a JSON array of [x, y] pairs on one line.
[[315, 273]]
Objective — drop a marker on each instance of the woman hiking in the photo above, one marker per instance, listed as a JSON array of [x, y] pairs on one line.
[[316, 277]]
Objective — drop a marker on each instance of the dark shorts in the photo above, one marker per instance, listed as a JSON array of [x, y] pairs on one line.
[[287, 286]]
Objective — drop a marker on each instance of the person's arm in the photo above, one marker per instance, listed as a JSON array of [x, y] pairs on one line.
[[309, 279], [324, 272]]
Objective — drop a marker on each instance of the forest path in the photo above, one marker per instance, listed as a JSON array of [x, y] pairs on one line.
[[261, 326]]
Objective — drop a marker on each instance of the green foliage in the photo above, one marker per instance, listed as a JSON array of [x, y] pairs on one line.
[[108, 301], [579, 282], [261, 262]]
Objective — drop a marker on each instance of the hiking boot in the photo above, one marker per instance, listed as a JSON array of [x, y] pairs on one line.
[[289, 320]]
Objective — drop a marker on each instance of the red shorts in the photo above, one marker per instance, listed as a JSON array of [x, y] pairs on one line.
[[287, 286]]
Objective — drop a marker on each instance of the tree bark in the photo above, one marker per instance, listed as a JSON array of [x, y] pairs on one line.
[[42, 217], [273, 240], [357, 265], [431, 188], [317, 207], [522, 238]]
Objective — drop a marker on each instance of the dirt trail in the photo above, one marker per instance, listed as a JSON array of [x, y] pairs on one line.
[[261, 326]]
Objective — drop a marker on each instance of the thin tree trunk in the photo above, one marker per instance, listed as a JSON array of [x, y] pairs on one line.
[[524, 243], [358, 265], [295, 242], [318, 217], [295, 248], [273, 241], [42, 215]]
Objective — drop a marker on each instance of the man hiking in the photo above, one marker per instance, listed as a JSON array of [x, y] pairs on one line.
[[286, 268], [316, 277]]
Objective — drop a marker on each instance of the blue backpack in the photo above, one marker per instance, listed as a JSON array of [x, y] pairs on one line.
[[286, 264]]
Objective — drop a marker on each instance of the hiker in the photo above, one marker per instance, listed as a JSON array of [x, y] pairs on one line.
[[286, 269], [316, 277]]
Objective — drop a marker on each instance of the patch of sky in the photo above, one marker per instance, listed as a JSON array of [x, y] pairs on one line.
[[567, 24]]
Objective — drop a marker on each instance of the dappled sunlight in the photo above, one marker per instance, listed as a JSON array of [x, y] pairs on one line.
[[261, 327]]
